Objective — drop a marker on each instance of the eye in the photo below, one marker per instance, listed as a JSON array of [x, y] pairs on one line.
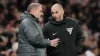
[[52, 12], [56, 12]]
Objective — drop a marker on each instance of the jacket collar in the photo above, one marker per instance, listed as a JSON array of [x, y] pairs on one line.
[[31, 16], [52, 20]]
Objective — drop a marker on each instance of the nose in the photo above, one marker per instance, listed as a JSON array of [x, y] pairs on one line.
[[54, 15]]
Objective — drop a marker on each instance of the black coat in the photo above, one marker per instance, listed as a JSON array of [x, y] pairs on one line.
[[30, 38], [99, 45], [70, 36]]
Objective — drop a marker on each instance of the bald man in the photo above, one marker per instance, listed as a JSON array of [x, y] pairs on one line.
[[65, 28], [30, 38]]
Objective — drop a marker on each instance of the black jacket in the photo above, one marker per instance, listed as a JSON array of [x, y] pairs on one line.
[[99, 45], [30, 38], [70, 36]]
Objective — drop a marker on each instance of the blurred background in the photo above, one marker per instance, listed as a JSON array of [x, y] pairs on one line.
[[86, 12]]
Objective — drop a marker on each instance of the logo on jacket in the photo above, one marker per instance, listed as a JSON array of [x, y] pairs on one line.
[[54, 33], [69, 30]]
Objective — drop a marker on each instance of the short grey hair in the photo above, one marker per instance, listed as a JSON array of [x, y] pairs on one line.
[[33, 6]]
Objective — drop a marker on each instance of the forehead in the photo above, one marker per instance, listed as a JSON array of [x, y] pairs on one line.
[[54, 9], [39, 8]]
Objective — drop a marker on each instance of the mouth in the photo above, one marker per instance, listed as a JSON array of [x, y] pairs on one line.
[[55, 17]]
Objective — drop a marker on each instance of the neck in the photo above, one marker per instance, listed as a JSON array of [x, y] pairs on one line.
[[33, 15]]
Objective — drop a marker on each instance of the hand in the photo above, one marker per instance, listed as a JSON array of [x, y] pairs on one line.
[[54, 42]]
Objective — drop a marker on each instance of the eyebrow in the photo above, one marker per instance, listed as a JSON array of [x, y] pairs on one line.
[[54, 12]]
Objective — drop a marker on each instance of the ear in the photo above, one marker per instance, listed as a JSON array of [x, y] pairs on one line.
[[62, 11], [31, 11]]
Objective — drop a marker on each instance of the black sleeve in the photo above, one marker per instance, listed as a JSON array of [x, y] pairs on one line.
[[99, 42], [79, 38], [45, 32], [33, 36]]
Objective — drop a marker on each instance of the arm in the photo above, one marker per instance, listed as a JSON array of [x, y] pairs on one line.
[[45, 33], [32, 35], [79, 39]]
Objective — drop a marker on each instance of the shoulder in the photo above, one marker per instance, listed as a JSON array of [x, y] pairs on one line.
[[26, 22], [25, 19], [72, 19], [48, 23]]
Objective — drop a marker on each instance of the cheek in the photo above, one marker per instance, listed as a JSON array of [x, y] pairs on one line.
[[38, 14], [58, 15]]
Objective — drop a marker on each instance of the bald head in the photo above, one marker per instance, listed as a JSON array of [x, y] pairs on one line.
[[33, 6], [57, 6]]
